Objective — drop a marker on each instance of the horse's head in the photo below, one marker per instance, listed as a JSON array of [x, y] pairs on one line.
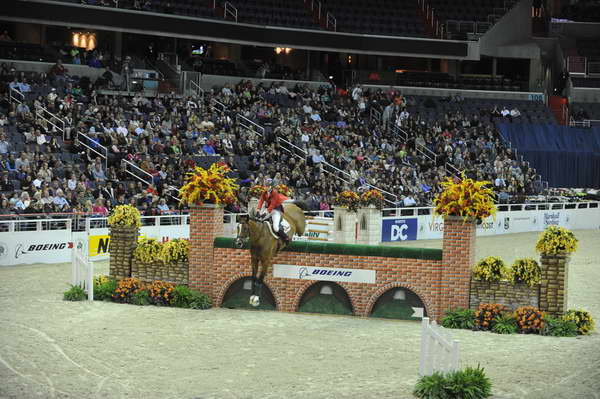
[[243, 231]]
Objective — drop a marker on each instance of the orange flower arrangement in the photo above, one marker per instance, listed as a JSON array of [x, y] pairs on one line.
[[372, 197], [125, 289], [465, 197], [529, 319], [349, 199], [210, 186], [257, 190], [285, 190], [485, 316], [161, 293]]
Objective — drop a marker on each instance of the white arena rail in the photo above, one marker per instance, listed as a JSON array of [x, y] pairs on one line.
[[82, 270], [439, 352]]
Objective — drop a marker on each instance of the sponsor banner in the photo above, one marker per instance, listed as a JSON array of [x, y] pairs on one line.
[[35, 247], [324, 273], [317, 229], [399, 229]]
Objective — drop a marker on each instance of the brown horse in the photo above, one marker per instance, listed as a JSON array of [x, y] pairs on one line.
[[264, 245]]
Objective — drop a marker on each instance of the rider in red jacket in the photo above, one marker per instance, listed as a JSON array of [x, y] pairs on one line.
[[273, 202]]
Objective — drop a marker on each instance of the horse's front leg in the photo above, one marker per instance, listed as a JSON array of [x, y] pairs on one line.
[[254, 298]]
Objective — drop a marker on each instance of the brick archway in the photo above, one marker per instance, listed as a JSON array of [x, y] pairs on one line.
[[379, 292], [300, 293], [225, 287]]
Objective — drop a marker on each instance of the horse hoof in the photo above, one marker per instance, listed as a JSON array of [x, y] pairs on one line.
[[254, 301]]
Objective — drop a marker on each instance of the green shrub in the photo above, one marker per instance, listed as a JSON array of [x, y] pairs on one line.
[[525, 270], [583, 320], [490, 269], [182, 296], [469, 383], [505, 324], [431, 387], [200, 301], [75, 293], [559, 327], [105, 290], [459, 318], [140, 298]]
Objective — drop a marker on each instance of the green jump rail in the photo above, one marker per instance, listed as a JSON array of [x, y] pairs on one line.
[[346, 249]]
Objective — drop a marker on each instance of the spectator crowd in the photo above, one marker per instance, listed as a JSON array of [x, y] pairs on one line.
[[67, 148]]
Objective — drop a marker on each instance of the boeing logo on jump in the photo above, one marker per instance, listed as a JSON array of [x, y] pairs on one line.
[[304, 273]]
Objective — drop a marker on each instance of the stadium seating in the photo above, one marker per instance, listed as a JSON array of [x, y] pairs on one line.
[[380, 17], [290, 13], [581, 11]]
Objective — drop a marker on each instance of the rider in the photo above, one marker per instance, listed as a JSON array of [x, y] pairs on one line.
[[273, 202]]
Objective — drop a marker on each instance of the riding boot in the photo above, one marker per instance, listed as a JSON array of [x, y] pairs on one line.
[[283, 236]]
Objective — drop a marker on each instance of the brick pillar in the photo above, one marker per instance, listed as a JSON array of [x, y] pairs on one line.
[[123, 241], [206, 223], [553, 285], [458, 254]]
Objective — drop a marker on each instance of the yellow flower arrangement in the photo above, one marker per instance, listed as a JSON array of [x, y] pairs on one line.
[[285, 190], [175, 251], [148, 250], [555, 240], [209, 185], [465, 197], [490, 269], [526, 271], [125, 215], [349, 199], [257, 190], [101, 279], [372, 197], [584, 321]]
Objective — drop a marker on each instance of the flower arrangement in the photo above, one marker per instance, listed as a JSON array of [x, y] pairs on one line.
[[490, 269], [372, 197], [525, 270], [486, 315], [465, 197], [209, 185], [584, 321], [101, 279], [529, 319], [148, 250], [125, 289], [161, 293], [126, 216], [256, 191], [555, 240], [349, 199], [175, 251], [285, 190]]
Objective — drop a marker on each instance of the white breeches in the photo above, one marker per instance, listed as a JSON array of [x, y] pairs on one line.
[[276, 217]]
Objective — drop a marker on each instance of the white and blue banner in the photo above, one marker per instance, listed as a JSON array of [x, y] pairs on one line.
[[325, 273], [400, 229]]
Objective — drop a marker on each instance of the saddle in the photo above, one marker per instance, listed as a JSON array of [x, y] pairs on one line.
[[283, 225]]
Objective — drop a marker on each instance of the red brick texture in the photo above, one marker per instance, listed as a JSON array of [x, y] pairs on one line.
[[440, 284]]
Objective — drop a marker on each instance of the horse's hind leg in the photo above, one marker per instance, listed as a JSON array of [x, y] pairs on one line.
[[254, 298]]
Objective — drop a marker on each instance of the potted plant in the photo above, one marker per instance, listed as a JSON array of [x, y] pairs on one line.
[[209, 186], [124, 223], [372, 199], [465, 198], [347, 199]]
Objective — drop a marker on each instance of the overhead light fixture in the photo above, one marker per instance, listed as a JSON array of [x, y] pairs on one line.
[[86, 40], [285, 50]]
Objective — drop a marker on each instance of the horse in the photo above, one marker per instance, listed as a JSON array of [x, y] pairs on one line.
[[264, 245]]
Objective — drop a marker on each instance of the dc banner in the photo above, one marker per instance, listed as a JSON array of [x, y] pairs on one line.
[[399, 230]]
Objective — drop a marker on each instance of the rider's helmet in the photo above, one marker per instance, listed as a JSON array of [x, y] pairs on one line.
[[269, 183]]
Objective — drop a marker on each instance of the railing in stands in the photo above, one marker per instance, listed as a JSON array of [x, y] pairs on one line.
[[15, 95], [375, 116], [330, 22], [52, 119], [198, 91], [250, 125], [94, 146], [315, 7], [230, 10]]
